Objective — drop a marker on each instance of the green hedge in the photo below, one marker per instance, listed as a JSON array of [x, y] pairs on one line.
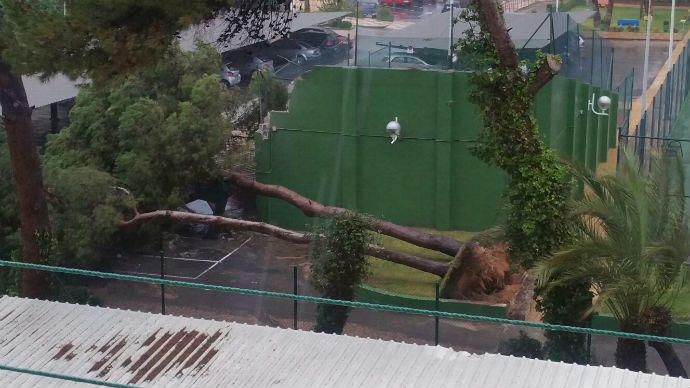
[[374, 295]]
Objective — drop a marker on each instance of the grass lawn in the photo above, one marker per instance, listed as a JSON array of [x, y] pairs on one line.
[[405, 280], [659, 16]]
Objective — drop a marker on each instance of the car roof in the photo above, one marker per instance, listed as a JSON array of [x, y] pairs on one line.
[[320, 30]]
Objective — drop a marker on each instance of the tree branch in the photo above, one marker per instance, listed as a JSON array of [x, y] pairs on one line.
[[422, 264], [312, 208], [549, 68], [493, 19]]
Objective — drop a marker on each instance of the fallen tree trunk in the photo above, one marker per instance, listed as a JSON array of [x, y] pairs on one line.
[[312, 208], [422, 264]]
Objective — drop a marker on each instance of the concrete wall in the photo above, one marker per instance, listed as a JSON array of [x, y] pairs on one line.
[[331, 145]]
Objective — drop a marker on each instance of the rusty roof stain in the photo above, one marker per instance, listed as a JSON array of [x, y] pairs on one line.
[[150, 350]]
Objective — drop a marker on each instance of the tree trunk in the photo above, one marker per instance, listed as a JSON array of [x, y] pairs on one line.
[[609, 15], [307, 6], [312, 208], [631, 354], [419, 263], [670, 358], [596, 18], [28, 178], [658, 320]]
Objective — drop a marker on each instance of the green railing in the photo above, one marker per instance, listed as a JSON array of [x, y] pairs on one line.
[[347, 303]]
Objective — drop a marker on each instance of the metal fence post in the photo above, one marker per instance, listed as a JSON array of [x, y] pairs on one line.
[[162, 278], [589, 341], [436, 307], [591, 68], [348, 51], [389, 55], [611, 70], [294, 301]]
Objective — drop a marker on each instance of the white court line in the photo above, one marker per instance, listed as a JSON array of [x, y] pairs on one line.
[[179, 258], [222, 259], [155, 275]]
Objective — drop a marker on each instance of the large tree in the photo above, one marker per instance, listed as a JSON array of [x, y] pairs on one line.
[[26, 168], [504, 90], [100, 39], [631, 245], [157, 134]]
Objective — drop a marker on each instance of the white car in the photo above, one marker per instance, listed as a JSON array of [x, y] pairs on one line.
[[229, 75], [406, 61]]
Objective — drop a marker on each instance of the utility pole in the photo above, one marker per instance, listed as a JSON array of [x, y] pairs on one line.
[[643, 100]]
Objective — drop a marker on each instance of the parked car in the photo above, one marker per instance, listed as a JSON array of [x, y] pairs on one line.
[[368, 8], [330, 43], [406, 61], [457, 4], [292, 50], [230, 75], [247, 62], [396, 3]]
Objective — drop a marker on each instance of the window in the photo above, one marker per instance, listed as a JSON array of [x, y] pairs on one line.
[[398, 60]]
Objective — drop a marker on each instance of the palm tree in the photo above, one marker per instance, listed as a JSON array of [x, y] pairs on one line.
[[631, 243]]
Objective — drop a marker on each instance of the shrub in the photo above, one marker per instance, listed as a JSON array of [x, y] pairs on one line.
[[385, 14], [522, 346], [340, 24]]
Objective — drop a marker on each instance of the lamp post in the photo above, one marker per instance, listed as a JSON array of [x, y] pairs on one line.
[[643, 99], [671, 35], [450, 38]]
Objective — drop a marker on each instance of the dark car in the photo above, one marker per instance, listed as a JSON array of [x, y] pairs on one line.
[[330, 43], [368, 9], [247, 62], [291, 50], [457, 4]]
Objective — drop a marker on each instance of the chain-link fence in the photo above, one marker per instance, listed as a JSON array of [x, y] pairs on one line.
[[585, 54], [652, 133]]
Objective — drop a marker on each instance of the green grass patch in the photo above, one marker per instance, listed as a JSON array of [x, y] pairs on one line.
[[659, 16], [405, 280]]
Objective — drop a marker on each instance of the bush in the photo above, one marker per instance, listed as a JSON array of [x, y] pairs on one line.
[[271, 91], [522, 346], [340, 24], [385, 14], [338, 266]]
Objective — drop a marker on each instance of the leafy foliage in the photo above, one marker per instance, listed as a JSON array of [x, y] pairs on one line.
[[631, 244], [156, 133], [272, 92], [9, 217], [103, 39], [566, 304], [148, 141], [338, 266], [385, 14], [537, 195], [522, 346], [539, 185]]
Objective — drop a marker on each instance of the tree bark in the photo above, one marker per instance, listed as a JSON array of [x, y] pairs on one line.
[[596, 19], [670, 358], [493, 20], [312, 208], [419, 263], [545, 73], [609, 15], [28, 178], [658, 320], [631, 354]]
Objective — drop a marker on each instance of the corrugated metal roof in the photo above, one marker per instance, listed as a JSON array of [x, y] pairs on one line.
[[164, 351]]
